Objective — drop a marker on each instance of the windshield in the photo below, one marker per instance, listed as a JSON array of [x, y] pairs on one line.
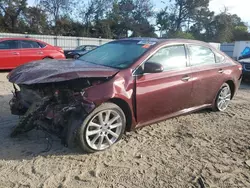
[[80, 48], [119, 54]]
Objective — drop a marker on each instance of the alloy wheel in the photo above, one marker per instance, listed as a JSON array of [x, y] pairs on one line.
[[104, 129], [224, 98]]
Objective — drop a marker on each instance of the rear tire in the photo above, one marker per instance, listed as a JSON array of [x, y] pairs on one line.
[[223, 98], [102, 128]]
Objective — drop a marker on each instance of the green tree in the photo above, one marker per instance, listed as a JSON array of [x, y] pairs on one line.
[[33, 16], [229, 28], [55, 10], [241, 33], [181, 35], [11, 11], [93, 13], [203, 27], [184, 11], [143, 11], [131, 15], [180, 15]]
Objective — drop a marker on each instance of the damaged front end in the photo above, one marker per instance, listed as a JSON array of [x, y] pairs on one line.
[[57, 108]]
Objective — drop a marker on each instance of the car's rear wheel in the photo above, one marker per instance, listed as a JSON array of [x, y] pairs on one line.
[[223, 98], [102, 128]]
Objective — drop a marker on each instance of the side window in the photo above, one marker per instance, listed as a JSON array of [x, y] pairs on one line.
[[200, 55], [29, 44], [171, 57], [92, 47], [8, 44], [219, 58], [42, 45], [88, 48]]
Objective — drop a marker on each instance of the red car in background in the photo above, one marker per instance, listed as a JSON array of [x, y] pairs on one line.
[[18, 51]]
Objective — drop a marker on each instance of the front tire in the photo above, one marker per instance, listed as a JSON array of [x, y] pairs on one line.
[[223, 98], [102, 128]]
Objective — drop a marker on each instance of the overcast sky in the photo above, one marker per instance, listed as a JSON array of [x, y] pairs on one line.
[[239, 7]]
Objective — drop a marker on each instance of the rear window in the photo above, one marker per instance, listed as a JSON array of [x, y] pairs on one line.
[[90, 48], [29, 44], [119, 54], [200, 55], [219, 58], [42, 45]]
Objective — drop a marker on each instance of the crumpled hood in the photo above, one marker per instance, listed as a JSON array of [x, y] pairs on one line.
[[49, 71]]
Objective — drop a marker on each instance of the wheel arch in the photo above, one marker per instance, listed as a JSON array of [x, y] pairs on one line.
[[232, 87], [48, 57], [126, 109]]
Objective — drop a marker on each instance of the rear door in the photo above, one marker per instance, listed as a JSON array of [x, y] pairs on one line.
[[161, 94], [9, 54], [30, 51], [208, 68]]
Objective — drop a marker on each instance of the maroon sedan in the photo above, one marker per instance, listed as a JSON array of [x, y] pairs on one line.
[[122, 85]]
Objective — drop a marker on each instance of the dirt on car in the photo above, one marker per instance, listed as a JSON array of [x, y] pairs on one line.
[[203, 149]]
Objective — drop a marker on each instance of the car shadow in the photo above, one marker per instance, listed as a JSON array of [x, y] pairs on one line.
[[245, 85], [5, 71]]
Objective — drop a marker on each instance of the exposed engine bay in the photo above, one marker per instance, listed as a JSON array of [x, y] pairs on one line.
[[57, 108]]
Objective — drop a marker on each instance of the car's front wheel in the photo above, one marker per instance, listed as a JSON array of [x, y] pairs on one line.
[[223, 98], [102, 128]]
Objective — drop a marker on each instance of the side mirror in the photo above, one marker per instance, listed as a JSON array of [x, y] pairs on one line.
[[150, 67]]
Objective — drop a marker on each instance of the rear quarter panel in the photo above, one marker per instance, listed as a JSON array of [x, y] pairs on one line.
[[52, 52], [232, 73]]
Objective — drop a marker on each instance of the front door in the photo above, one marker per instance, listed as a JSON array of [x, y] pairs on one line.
[[162, 94]]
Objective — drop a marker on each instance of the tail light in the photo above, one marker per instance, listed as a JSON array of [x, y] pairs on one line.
[[240, 67], [60, 50]]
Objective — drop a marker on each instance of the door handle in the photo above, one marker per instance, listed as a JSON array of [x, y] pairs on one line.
[[185, 78], [15, 53], [220, 71], [40, 52]]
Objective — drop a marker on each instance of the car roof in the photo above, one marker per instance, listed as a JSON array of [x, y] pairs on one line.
[[161, 40], [19, 38]]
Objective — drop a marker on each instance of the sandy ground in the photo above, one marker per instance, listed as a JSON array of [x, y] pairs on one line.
[[204, 149]]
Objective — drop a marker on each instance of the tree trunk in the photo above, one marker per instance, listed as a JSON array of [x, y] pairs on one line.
[[179, 19]]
